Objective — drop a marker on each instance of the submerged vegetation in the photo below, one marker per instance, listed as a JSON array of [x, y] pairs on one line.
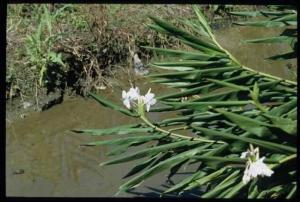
[[237, 124]]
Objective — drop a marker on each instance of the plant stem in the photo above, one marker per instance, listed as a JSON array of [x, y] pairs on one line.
[[143, 117], [248, 68], [288, 158]]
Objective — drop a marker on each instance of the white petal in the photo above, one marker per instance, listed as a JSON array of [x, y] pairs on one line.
[[124, 94], [244, 155], [148, 107], [246, 179], [126, 102], [153, 101]]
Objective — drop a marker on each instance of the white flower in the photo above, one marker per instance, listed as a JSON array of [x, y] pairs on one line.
[[244, 155], [131, 95], [149, 100], [255, 169]]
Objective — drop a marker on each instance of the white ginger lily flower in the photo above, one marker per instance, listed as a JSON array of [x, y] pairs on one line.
[[255, 169], [131, 95], [134, 94], [149, 100], [255, 166]]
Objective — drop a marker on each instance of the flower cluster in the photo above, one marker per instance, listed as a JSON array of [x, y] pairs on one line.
[[133, 98], [255, 166]]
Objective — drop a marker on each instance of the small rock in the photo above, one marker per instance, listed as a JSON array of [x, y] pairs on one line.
[[22, 116], [102, 87], [26, 105], [19, 172]]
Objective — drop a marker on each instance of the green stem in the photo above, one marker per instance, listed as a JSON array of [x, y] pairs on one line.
[[288, 158], [248, 68], [143, 117]]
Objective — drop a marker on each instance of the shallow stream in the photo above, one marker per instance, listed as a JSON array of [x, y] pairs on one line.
[[44, 159]]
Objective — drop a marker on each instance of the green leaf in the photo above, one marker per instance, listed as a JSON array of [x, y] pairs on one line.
[[253, 190], [126, 140], [185, 182], [204, 46], [234, 190], [265, 144], [286, 124], [141, 166], [185, 55], [192, 75], [202, 19], [204, 180], [276, 39], [111, 105], [248, 124], [120, 130], [291, 17], [204, 105], [230, 180], [200, 89], [150, 151], [261, 24], [228, 84], [285, 56], [246, 13], [170, 162]]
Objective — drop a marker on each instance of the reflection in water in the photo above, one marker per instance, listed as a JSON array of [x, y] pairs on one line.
[[55, 165]]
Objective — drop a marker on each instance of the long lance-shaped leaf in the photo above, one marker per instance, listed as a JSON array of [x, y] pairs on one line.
[[281, 110], [190, 118], [262, 24], [201, 48], [207, 46], [277, 13], [227, 160], [253, 126], [113, 106], [205, 179], [202, 19], [157, 28], [226, 94], [189, 43], [285, 56], [196, 27], [150, 151], [127, 140], [185, 182], [206, 87], [141, 166], [185, 55], [228, 181], [286, 124], [120, 130], [190, 63], [195, 74], [234, 190], [228, 84], [170, 162], [276, 39], [265, 144], [246, 13], [177, 68], [291, 17], [201, 105], [184, 66]]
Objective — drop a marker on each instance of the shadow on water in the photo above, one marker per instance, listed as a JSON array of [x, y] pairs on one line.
[[44, 159]]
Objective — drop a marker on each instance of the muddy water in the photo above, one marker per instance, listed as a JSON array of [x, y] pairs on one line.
[[254, 55], [44, 159]]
